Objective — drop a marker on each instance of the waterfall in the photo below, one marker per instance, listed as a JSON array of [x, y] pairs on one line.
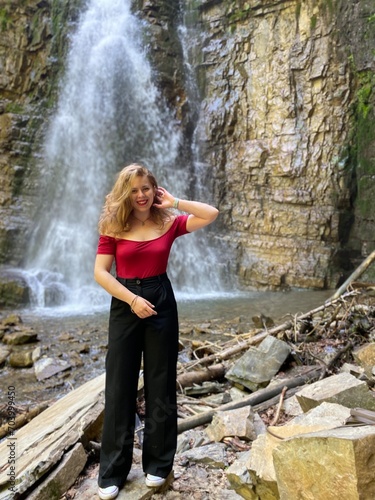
[[109, 114]]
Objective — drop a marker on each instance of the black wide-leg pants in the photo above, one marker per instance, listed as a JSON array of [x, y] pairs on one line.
[[157, 338]]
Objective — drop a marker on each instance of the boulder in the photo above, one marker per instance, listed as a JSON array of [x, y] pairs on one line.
[[327, 465], [261, 465], [240, 422], [344, 389], [259, 364]]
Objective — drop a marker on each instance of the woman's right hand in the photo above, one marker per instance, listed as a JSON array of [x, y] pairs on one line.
[[143, 308]]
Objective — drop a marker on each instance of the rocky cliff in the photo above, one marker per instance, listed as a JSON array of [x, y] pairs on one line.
[[284, 123], [288, 130]]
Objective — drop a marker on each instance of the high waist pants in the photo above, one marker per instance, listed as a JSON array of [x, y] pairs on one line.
[[157, 338]]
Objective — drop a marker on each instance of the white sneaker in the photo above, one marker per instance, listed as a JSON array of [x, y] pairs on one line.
[[153, 481], [108, 493]]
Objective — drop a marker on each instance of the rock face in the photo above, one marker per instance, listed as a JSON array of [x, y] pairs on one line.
[[32, 46], [284, 126], [277, 119]]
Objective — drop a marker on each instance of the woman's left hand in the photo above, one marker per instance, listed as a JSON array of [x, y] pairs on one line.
[[163, 199]]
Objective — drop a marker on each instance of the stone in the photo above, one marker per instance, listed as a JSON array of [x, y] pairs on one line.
[[327, 465], [239, 477], [46, 438], [191, 439], [365, 357], [13, 290], [237, 394], [21, 359], [343, 389], [21, 337], [12, 320], [238, 422], [47, 367], [259, 364], [60, 480], [261, 466], [212, 455]]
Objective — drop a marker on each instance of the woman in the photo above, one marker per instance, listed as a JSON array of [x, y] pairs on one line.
[[137, 229]]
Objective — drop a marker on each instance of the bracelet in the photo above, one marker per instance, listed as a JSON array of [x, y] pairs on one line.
[[133, 303], [176, 202]]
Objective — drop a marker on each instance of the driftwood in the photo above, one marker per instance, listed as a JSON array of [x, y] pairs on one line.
[[241, 346], [188, 379], [360, 270], [257, 397]]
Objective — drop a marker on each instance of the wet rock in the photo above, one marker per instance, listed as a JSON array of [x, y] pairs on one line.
[[13, 290], [47, 367], [21, 359], [12, 320], [21, 337], [343, 389], [259, 364]]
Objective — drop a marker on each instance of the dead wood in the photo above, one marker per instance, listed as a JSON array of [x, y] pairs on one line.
[[256, 339], [356, 274], [213, 372], [277, 415], [257, 397]]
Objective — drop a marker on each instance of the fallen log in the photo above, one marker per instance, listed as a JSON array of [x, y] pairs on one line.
[[188, 379], [360, 270], [254, 399], [232, 351]]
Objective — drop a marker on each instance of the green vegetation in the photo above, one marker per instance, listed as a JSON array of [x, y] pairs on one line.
[[362, 153], [313, 22], [367, 85], [14, 107], [5, 21], [237, 11]]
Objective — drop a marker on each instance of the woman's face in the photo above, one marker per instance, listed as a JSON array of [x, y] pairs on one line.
[[142, 194]]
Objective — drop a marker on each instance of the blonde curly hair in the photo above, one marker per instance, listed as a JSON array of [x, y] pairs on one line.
[[117, 207]]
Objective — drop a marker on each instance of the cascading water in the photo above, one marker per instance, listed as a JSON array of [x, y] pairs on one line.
[[109, 114]]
